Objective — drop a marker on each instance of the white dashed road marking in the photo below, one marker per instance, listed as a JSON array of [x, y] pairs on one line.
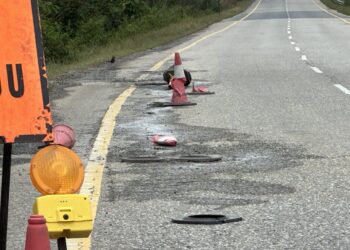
[[317, 70], [304, 57], [342, 88]]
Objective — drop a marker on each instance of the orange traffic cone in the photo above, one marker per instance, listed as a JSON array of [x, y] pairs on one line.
[[179, 97], [177, 83], [37, 234]]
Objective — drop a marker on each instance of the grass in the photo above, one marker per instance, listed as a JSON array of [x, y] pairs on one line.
[[340, 8], [143, 41]]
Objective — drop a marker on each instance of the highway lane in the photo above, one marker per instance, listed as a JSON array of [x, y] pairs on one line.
[[277, 119], [287, 99], [281, 92]]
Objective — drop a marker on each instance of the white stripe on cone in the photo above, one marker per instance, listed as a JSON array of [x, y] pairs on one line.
[[178, 68]]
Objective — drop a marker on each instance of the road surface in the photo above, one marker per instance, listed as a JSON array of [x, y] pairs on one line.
[[279, 118]]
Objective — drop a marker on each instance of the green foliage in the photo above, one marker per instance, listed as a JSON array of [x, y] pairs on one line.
[[72, 26], [345, 9]]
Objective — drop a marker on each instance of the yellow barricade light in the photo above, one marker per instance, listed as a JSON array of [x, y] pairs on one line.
[[56, 170], [67, 216]]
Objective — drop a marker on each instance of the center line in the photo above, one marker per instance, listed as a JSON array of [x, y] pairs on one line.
[[317, 70], [342, 88], [297, 48], [304, 58], [290, 37]]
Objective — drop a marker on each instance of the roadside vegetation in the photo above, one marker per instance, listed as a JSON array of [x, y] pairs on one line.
[[345, 9], [79, 33]]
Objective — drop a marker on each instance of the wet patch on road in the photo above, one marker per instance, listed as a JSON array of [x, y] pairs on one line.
[[220, 184]]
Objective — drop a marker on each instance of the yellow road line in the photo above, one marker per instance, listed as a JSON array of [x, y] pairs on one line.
[[161, 63], [330, 13], [97, 161]]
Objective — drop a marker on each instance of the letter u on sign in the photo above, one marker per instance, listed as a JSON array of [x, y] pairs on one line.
[[11, 83]]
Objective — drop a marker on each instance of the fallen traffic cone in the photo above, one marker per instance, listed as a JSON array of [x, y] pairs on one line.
[[63, 135], [37, 236], [200, 90], [179, 97]]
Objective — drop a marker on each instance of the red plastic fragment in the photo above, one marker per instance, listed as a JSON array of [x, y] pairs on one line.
[[164, 140]]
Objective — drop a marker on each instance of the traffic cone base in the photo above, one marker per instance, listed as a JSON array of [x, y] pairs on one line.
[[182, 104], [170, 104], [201, 93]]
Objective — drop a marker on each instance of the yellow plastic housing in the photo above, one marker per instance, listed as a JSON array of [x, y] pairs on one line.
[[67, 215], [56, 170]]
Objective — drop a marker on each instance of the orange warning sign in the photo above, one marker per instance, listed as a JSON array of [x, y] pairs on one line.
[[24, 103]]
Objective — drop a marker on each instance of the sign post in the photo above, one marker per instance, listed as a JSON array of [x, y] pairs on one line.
[[61, 243], [5, 191], [24, 103]]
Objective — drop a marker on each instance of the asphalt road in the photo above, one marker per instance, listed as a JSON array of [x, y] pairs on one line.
[[279, 118]]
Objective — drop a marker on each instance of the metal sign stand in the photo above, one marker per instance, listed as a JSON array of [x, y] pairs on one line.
[[5, 193]]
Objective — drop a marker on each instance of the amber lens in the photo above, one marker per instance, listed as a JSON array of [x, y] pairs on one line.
[[56, 170]]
